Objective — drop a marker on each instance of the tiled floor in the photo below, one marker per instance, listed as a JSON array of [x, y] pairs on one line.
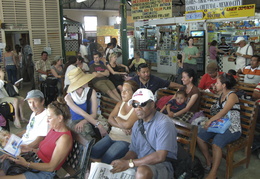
[[253, 171]]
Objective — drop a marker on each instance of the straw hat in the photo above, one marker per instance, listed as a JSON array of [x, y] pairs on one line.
[[78, 78]]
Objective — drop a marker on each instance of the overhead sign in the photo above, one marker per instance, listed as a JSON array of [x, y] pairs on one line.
[[194, 5], [219, 13], [151, 9]]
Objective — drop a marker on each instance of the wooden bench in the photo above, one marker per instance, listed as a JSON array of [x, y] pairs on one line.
[[248, 115], [247, 87], [78, 160], [107, 105]]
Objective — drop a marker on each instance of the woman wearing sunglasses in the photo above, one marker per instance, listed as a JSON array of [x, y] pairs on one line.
[[227, 106], [122, 118], [53, 150]]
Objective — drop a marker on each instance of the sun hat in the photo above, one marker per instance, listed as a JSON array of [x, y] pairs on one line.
[[58, 57], [77, 79], [239, 39], [212, 68], [34, 94], [142, 95]]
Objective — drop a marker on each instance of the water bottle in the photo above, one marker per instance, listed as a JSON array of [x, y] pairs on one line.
[[183, 176]]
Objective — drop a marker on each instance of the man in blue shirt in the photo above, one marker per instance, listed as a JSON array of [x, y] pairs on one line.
[[145, 80], [153, 139]]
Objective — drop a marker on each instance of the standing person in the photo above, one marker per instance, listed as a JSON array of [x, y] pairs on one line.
[[213, 50], [53, 150], [122, 118], [70, 65], [27, 62], [92, 48], [57, 72], [244, 52], [82, 101], [116, 76], [109, 50], [84, 50], [43, 66], [189, 55], [10, 64], [117, 49], [147, 152], [145, 80], [101, 80], [18, 60], [224, 46], [226, 107]]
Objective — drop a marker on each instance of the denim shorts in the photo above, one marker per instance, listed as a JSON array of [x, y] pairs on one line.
[[40, 175], [220, 140]]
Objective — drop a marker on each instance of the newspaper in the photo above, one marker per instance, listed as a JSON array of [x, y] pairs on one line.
[[12, 146], [102, 171]]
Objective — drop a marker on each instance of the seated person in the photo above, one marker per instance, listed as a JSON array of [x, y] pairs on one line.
[[116, 76], [137, 60], [43, 66], [256, 93], [180, 68], [176, 104], [17, 101], [122, 118], [101, 80], [57, 72], [82, 65], [53, 150], [252, 72], [147, 152], [82, 101], [37, 127], [145, 80], [227, 106], [209, 79]]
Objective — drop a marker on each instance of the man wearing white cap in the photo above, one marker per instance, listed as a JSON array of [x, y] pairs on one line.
[[153, 139], [243, 53]]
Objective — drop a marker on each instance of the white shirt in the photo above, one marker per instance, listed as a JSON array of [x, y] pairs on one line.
[[83, 51], [66, 80], [241, 61], [37, 126]]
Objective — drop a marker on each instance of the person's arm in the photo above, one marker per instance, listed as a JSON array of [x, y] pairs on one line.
[[20, 134], [175, 85], [220, 51], [110, 69], [113, 115], [36, 142], [169, 112], [124, 66], [164, 107], [191, 102], [55, 74], [202, 82], [151, 159], [63, 146], [131, 65], [101, 74], [127, 124], [13, 57]]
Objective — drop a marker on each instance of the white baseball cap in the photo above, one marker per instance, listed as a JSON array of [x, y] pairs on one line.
[[239, 39], [142, 95]]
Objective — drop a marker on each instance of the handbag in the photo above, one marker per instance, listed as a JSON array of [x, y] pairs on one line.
[[9, 87], [220, 125], [11, 168]]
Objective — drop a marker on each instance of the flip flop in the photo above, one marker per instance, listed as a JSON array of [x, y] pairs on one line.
[[17, 124]]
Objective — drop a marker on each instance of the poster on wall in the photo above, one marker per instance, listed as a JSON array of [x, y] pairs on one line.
[[151, 9]]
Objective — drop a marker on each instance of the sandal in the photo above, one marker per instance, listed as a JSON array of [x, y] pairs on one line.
[[17, 124], [207, 168]]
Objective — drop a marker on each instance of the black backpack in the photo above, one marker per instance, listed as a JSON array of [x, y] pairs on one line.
[[7, 110]]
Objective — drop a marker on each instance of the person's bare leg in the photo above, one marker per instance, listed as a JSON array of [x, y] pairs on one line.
[[217, 156], [112, 95], [21, 103], [17, 119], [116, 94], [205, 151], [120, 87], [143, 172], [3, 176]]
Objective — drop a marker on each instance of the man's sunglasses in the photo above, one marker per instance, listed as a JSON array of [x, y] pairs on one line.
[[135, 105]]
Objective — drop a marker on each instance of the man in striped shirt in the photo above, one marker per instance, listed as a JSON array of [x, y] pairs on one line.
[[252, 72], [224, 46]]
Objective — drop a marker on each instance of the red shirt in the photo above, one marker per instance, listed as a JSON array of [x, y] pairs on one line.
[[48, 145], [206, 81]]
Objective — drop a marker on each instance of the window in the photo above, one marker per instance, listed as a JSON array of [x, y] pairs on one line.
[[90, 23]]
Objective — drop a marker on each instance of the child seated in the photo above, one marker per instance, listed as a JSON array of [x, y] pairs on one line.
[[175, 104]]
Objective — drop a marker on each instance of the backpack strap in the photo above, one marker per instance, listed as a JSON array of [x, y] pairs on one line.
[[88, 101]]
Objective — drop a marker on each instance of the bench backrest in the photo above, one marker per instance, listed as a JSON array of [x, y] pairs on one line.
[[246, 87], [165, 92], [107, 105], [78, 159]]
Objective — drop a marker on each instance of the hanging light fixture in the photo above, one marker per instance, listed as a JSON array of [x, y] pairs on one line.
[[79, 1]]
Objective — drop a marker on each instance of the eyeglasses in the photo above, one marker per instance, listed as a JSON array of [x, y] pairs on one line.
[[135, 105]]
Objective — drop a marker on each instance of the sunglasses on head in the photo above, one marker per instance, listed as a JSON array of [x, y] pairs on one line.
[[135, 105]]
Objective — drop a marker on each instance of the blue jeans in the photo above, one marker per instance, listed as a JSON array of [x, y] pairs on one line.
[[108, 150], [12, 73]]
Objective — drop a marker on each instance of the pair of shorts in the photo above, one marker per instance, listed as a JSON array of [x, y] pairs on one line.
[[220, 140], [104, 85], [161, 170]]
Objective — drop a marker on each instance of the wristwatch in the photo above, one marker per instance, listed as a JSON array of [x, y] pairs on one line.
[[131, 163]]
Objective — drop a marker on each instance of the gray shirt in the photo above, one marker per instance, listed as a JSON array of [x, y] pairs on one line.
[[161, 134]]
